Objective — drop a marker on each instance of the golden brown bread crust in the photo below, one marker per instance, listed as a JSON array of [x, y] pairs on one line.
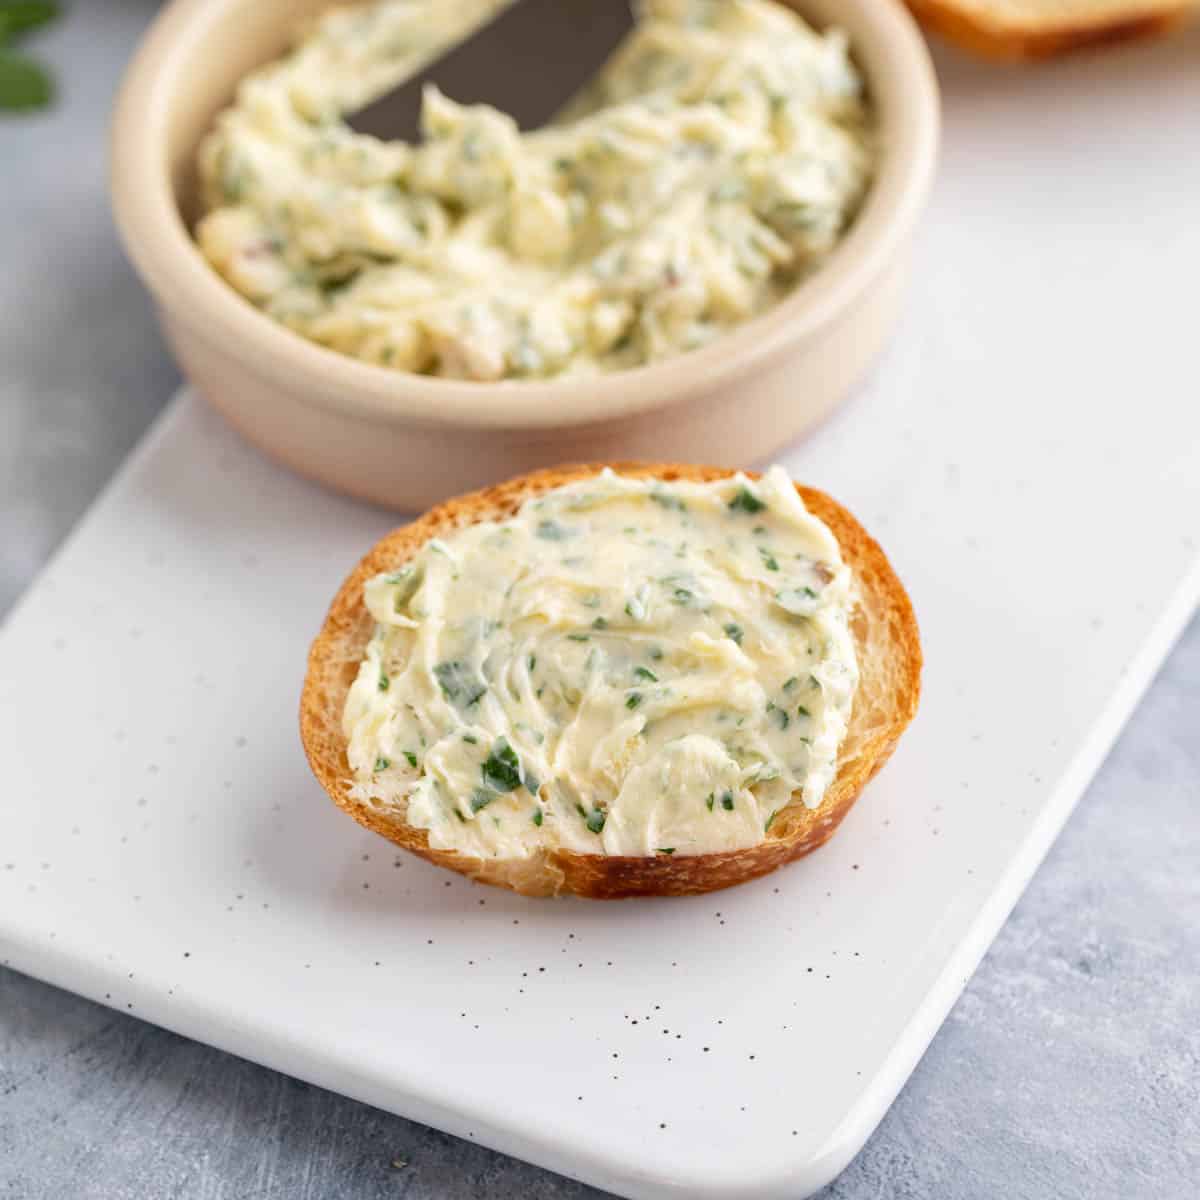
[[886, 638], [989, 32]]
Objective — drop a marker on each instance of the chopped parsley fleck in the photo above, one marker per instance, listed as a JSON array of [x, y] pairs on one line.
[[538, 818], [802, 711], [459, 683], [790, 683], [481, 798], [682, 595], [382, 764], [577, 637], [735, 631], [633, 699], [665, 850], [645, 673], [599, 623], [470, 737], [532, 663], [666, 500], [412, 758], [384, 683], [759, 530], [710, 802], [769, 560], [595, 820], [727, 801], [553, 531], [502, 768], [782, 717], [746, 501]]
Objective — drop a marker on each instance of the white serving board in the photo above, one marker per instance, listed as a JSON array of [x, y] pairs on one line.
[[1029, 454]]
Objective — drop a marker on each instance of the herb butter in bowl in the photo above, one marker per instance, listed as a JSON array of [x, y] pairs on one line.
[[711, 168], [703, 252]]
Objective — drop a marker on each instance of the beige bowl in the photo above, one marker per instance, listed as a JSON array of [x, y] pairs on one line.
[[409, 440]]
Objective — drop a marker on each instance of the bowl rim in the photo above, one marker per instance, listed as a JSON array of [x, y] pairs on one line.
[[894, 60]]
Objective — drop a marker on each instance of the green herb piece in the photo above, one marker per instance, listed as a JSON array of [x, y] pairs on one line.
[[633, 699], [666, 500], [797, 601], [538, 818], [710, 802], [746, 501], [470, 737], [767, 826], [802, 711], [645, 673], [384, 683], [665, 850], [682, 595], [459, 683], [382, 764], [19, 16], [760, 530], [502, 768], [790, 683], [635, 606], [481, 798], [577, 637], [595, 820], [412, 758], [769, 560], [735, 631], [727, 801], [532, 663], [599, 623], [655, 653], [24, 84]]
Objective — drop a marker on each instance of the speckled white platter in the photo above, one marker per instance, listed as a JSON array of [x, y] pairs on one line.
[[1030, 457]]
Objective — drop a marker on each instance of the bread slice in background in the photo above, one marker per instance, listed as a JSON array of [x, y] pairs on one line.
[[1031, 29], [889, 659]]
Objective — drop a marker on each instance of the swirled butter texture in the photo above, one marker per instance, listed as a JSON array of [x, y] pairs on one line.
[[711, 167], [625, 667]]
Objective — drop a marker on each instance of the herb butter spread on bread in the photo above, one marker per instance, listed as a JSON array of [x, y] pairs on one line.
[[657, 679], [623, 667]]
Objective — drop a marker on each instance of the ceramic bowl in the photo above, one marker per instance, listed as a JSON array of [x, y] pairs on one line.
[[408, 440]]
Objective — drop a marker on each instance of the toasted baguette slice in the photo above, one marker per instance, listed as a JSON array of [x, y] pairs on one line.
[[889, 656], [1029, 29]]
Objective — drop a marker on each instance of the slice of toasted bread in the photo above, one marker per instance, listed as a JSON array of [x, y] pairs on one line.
[[889, 657], [1029, 29]]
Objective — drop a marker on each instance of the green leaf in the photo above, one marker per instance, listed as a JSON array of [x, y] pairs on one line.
[[19, 16], [24, 84], [595, 820], [502, 769], [459, 683], [746, 501]]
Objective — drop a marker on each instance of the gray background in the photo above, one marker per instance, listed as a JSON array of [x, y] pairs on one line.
[[1069, 1068]]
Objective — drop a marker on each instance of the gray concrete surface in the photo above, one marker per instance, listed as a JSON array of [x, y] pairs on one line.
[[1069, 1069]]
